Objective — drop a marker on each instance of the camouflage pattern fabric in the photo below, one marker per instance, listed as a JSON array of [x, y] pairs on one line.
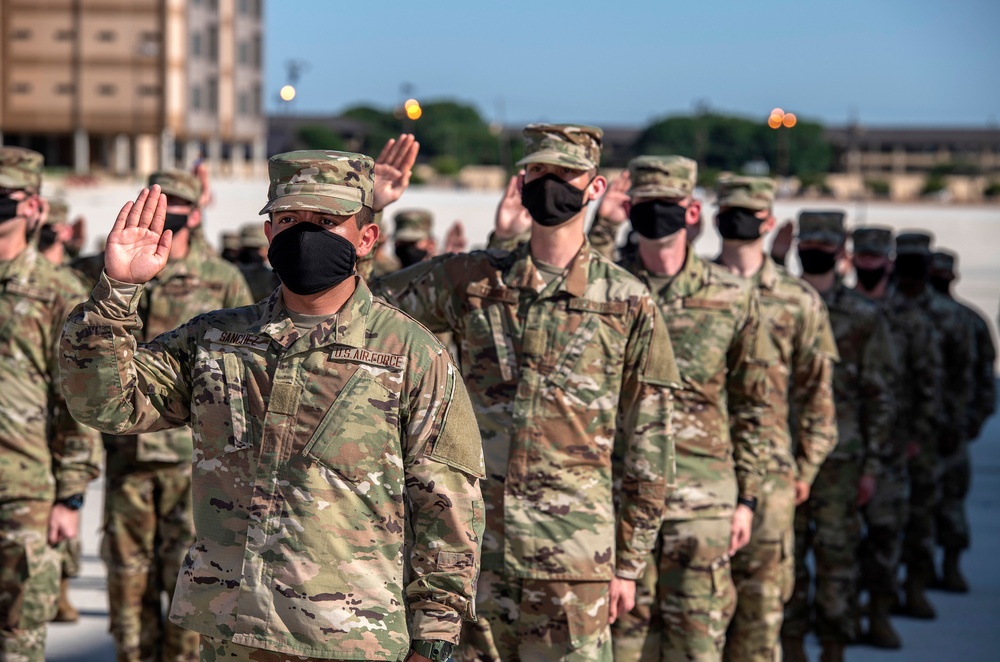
[[511, 244], [984, 362], [221, 650], [683, 608], [46, 454], [603, 236], [795, 321], [572, 146], [756, 193], [828, 523], [662, 176], [523, 626], [713, 318], [338, 183], [313, 454], [261, 280], [917, 392], [21, 169], [826, 226], [560, 374], [178, 183], [412, 225], [145, 538]]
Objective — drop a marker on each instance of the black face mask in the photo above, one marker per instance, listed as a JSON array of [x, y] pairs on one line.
[[816, 260], [8, 209], [309, 259], [869, 278], [409, 254], [656, 219], [941, 284], [551, 201], [911, 267], [175, 222], [736, 223], [46, 237]]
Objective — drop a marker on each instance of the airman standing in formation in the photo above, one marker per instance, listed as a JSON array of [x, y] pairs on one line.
[[253, 264], [568, 364], [795, 325], [918, 403], [686, 597], [48, 457]]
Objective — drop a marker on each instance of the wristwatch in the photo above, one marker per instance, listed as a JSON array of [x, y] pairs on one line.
[[437, 651], [74, 502], [749, 502]]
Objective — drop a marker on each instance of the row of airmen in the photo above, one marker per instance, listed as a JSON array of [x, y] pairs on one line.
[[763, 358]]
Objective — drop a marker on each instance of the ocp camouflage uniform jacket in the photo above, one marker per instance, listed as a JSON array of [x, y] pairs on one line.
[[795, 321], [984, 368], [957, 358], [315, 456], [559, 375], [714, 319], [185, 288], [44, 453], [862, 379], [917, 383]]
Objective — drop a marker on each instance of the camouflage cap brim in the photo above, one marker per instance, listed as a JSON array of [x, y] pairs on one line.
[[743, 202], [410, 234], [13, 182], [557, 158], [180, 192], [654, 191], [313, 202], [825, 236]]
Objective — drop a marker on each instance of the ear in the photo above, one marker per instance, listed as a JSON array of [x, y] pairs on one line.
[[693, 214], [267, 230], [768, 223], [369, 235], [194, 219], [597, 188]]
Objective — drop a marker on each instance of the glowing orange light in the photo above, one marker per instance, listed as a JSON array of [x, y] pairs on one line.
[[789, 120], [777, 111], [410, 103], [774, 121], [414, 112]]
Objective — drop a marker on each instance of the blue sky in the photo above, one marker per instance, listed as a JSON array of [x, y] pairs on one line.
[[624, 62]]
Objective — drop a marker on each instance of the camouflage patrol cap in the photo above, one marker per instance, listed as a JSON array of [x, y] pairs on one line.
[[872, 239], [755, 193], [913, 243], [823, 225], [569, 145], [58, 212], [944, 261], [21, 169], [252, 236], [338, 183], [231, 241], [412, 225], [662, 176], [177, 182]]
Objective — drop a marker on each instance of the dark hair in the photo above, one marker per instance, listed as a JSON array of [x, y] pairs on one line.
[[364, 217]]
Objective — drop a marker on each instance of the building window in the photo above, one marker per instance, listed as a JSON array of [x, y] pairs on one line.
[[21, 88], [257, 48], [65, 35], [149, 90], [256, 99], [243, 52], [256, 8], [23, 34], [106, 36], [65, 88], [244, 104], [195, 44], [213, 43], [213, 94], [106, 90], [243, 7], [196, 97]]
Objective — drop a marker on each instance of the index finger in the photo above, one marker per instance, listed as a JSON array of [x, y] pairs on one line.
[[384, 154], [159, 215]]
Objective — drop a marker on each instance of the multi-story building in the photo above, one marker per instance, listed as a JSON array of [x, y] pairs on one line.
[[128, 86]]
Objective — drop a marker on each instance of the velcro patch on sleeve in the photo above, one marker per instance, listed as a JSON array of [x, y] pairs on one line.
[[360, 355], [600, 307]]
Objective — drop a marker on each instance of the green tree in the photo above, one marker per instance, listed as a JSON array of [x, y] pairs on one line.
[[382, 125], [315, 136]]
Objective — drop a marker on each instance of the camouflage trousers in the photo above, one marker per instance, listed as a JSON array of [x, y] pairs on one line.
[[920, 539], [69, 555], [956, 478], [29, 579], [147, 531], [219, 650], [764, 573], [885, 517], [828, 524], [685, 599], [535, 619]]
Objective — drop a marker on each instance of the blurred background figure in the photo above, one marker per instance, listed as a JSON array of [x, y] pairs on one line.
[[251, 259]]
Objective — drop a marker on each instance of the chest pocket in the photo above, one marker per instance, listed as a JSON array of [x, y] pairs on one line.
[[489, 339], [21, 310], [355, 432], [220, 410], [780, 324], [590, 364], [700, 332]]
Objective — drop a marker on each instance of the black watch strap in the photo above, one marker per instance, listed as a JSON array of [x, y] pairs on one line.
[[750, 503], [437, 651], [74, 502]]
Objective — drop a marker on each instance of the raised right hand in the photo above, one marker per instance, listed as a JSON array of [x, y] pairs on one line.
[[512, 218], [613, 205], [137, 247]]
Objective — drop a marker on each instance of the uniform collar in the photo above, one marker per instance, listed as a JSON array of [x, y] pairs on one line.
[[524, 273], [692, 278], [767, 277], [345, 328], [20, 268]]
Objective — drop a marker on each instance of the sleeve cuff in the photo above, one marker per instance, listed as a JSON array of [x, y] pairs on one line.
[[115, 299], [807, 472], [435, 626]]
